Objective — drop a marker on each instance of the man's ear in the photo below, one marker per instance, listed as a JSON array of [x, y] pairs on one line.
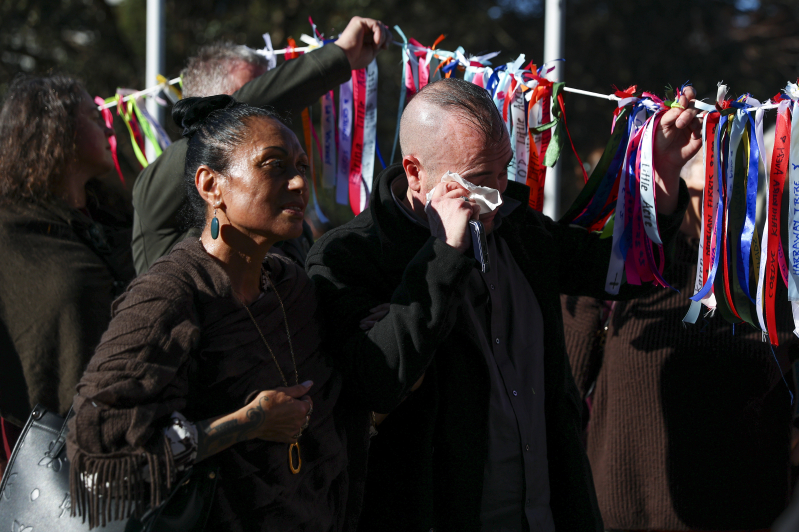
[[209, 186], [414, 172]]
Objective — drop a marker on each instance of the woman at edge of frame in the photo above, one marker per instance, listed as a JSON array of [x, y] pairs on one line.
[[65, 250]]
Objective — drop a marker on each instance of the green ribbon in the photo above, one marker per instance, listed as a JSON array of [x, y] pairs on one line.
[[598, 175], [607, 231], [558, 135], [126, 114], [147, 129]]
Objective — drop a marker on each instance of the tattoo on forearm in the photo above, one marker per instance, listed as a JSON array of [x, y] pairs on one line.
[[213, 437]]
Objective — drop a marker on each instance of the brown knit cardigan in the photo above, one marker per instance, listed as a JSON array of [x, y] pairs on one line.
[[689, 426], [180, 341]]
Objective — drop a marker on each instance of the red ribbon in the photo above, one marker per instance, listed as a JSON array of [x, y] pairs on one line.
[[546, 136], [359, 115], [779, 166], [290, 52], [508, 96], [566, 127], [629, 93], [534, 171], [108, 118], [710, 181], [138, 138]]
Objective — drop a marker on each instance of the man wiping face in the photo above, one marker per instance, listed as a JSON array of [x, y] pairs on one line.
[[453, 131]]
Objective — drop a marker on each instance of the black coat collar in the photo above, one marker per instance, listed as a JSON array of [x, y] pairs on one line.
[[400, 238]]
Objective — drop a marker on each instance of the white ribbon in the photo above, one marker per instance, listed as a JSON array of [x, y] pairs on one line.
[[328, 141], [793, 229], [268, 52], [344, 142], [647, 182], [705, 232], [521, 153], [616, 264], [369, 132]]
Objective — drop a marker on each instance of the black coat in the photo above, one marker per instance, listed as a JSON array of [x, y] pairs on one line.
[[426, 464]]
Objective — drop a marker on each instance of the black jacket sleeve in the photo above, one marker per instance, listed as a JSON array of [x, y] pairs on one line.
[[382, 364], [299, 82]]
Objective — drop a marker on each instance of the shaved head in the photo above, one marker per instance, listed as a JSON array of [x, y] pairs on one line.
[[421, 131], [440, 114]]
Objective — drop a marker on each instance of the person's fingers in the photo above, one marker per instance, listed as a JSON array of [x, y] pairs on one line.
[[298, 390], [383, 307], [454, 191], [376, 313], [688, 96], [450, 189], [475, 211], [387, 36], [696, 129], [688, 112], [375, 31], [308, 401], [686, 117], [439, 190], [669, 118]]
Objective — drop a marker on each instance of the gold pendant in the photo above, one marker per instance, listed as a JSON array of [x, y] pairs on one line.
[[294, 469]]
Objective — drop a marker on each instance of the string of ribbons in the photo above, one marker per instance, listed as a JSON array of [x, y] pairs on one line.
[[738, 266]]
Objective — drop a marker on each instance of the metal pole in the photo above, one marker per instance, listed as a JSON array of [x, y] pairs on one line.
[[554, 23], [156, 58]]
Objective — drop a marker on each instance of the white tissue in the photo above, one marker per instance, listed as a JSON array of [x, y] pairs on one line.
[[489, 199]]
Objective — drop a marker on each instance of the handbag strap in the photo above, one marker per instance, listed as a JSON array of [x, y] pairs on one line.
[[58, 444]]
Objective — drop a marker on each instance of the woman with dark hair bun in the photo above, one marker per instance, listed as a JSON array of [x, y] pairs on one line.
[[62, 260], [213, 355]]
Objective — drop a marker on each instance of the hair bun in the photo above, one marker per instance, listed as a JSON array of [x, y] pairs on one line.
[[190, 113]]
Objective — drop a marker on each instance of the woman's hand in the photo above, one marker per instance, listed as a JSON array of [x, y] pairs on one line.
[[278, 415]]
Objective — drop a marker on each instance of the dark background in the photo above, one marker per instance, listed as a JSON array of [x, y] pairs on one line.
[[752, 45]]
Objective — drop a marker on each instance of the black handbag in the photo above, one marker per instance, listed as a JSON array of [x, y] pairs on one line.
[[34, 493]]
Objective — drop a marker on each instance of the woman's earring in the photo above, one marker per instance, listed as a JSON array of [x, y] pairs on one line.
[[215, 226]]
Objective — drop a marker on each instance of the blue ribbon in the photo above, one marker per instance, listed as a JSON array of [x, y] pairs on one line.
[[379, 155], [626, 240], [748, 229], [446, 69], [493, 79]]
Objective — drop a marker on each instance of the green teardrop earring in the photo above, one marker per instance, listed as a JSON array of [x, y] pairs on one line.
[[215, 226]]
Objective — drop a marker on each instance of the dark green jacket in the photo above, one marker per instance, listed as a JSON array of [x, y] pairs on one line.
[[159, 192], [426, 464]]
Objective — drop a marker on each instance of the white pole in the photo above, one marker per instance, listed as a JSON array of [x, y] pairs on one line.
[[156, 59], [554, 22]]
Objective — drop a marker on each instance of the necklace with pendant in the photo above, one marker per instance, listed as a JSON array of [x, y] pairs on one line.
[[293, 447]]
